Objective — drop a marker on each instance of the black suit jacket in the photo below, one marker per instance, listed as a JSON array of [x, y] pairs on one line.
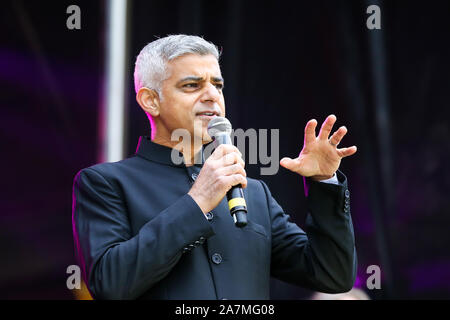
[[138, 234]]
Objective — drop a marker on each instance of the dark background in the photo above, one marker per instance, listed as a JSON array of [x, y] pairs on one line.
[[284, 62]]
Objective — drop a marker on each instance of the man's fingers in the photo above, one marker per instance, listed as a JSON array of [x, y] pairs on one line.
[[345, 152], [222, 150], [230, 158], [310, 131], [233, 169], [288, 163], [338, 135], [236, 179], [326, 127]]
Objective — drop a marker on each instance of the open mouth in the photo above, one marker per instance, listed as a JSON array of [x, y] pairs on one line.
[[207, 114]]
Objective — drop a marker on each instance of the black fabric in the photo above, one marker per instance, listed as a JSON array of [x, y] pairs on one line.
[[139, 235]]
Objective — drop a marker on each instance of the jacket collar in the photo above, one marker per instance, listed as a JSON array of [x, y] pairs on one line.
[[149, 150]]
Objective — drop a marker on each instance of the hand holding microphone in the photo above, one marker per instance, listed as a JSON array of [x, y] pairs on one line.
[[222, 174]]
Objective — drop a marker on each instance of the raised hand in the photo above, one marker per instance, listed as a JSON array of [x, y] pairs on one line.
[[320, 158]]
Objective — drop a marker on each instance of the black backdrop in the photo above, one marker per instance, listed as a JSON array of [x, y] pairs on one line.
[[284, 62]]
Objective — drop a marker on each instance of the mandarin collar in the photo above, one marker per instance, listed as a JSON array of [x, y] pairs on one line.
[[152, 151]]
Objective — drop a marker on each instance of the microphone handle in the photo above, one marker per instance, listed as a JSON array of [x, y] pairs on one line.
[[237, 205], [235, 196]]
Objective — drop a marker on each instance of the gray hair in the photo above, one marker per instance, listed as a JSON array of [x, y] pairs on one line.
[[150, 68]]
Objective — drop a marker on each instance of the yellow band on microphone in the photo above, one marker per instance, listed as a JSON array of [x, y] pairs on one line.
[[236, 202]]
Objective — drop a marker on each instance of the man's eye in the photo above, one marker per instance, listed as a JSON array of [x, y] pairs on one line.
[[190, 85], [219, 86]]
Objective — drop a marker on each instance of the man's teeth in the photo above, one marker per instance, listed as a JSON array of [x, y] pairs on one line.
[[207, 114]]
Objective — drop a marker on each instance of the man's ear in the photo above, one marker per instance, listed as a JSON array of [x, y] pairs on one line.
[[148, 99]]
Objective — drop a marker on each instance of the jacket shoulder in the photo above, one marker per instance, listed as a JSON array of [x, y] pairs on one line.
[[110, 169], [257, 187]]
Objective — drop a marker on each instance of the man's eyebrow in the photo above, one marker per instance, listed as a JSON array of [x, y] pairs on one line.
[[217, 79], [190, 78], [193, 78]]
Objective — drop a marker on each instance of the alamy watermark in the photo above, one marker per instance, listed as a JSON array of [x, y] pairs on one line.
[[74, 279], [374, 280], [258, 152], [374, 20], [74, 20]]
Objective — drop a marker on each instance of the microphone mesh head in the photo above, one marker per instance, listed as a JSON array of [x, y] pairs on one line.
[[218, 126]]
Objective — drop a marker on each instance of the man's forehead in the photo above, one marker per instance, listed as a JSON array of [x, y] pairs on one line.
[[194, 66]]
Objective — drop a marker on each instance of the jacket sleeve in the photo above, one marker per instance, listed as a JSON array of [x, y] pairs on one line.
[[115, 264], [324, 258]]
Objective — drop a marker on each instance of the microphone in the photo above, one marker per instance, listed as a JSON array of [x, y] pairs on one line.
[[219, 129]]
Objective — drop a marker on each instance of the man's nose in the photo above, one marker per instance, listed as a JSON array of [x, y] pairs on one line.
[[211, 93]]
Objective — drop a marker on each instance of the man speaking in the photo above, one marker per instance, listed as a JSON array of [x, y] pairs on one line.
[[149, 228]]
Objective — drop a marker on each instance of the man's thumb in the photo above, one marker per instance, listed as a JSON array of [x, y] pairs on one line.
[[288, 163]]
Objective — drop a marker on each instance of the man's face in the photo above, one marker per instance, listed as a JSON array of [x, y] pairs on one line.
[[193, 89]]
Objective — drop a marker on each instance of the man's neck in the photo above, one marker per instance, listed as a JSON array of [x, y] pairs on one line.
[[191, 152]]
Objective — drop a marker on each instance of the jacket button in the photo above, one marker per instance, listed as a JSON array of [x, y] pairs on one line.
[[209, 216], [347, 193], [194, 176], [216, 258]]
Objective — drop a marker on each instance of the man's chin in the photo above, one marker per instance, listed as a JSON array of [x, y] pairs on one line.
[[201, 131], [206, 139]]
